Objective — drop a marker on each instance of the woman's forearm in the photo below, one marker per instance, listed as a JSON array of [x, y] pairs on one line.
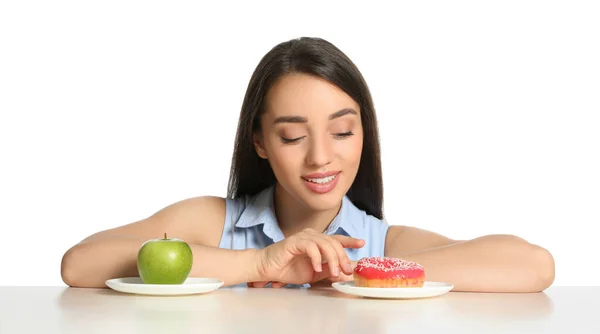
[[495, 263], [90, 264]]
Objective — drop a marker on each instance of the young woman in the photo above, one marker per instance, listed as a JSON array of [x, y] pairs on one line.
[[305, 197]]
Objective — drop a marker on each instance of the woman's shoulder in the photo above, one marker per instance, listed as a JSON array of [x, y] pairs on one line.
[[202, 219], [198, 219]]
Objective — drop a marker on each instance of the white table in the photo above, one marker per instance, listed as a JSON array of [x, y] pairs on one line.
[[320, 310]]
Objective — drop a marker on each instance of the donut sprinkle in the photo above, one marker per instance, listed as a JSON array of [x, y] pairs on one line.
[[387, 264]]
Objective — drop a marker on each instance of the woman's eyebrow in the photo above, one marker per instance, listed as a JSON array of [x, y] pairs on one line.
[[290, 119], [342, 112], [300, 119]]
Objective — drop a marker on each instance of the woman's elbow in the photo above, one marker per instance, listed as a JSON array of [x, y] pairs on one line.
[[539, 263], [69, 269], [543, 262]]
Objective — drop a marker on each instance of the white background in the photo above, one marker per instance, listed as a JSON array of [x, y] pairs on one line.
[[111, 110]]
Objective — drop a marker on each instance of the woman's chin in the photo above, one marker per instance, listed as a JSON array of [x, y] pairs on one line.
[[324, 201]]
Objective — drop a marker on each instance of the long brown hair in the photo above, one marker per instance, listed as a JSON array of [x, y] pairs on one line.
[[251, 174]]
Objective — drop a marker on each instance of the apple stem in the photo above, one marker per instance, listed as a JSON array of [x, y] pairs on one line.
[[165, 235]]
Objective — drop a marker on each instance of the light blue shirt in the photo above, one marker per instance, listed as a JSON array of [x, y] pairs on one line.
[[250, 222]]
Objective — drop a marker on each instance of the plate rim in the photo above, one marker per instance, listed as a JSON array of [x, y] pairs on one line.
[[393, 293], [351, 284], [118, 280], [118, 285]]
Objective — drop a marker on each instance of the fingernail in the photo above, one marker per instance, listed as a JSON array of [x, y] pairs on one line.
[[335, 271], [319, 268], [348, 267]]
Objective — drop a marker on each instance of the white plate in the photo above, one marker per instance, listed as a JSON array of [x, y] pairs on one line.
[[192, 285], [429, 289]]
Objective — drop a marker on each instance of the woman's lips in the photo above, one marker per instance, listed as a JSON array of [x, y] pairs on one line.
[[320, 175], [321, 183]]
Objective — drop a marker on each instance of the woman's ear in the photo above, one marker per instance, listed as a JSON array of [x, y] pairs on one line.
[[258, 145]]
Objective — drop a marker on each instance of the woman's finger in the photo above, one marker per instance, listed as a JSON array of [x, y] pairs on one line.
[[341, 258], [328, 251], [348, 242], [310, 248], [344, 261]]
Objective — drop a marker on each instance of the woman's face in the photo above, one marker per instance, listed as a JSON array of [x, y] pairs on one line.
[[312, 136]]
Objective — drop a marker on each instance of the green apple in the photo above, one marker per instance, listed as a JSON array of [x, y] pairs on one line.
[[164, 261]]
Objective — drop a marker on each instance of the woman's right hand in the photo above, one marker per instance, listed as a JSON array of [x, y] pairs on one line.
[[299, 258]]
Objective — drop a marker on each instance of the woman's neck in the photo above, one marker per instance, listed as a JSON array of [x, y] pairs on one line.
[[294, 216]]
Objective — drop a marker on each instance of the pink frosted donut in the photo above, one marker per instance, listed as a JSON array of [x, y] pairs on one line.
[[388, 272]]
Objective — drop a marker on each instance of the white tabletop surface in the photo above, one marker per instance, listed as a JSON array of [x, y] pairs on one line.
[[318, 310]]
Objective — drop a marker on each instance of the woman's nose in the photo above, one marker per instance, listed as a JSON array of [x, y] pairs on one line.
[[319, 152]]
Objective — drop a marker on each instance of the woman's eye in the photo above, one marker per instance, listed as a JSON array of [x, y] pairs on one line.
[[344, 134], [337, 135], [290, 140]]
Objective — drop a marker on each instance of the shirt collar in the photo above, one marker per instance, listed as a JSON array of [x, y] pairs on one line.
[[260, 210]]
